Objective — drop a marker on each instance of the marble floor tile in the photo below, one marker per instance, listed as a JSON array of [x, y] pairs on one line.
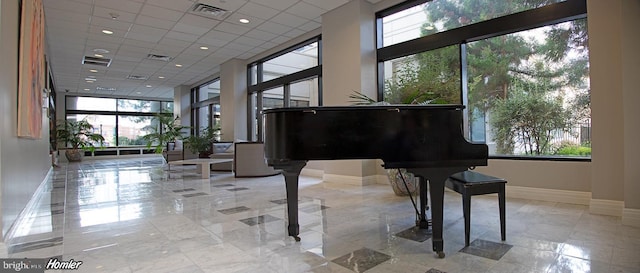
[[134, 215]]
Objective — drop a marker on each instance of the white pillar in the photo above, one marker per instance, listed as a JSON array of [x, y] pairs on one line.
[[349, 64], [233, 100]]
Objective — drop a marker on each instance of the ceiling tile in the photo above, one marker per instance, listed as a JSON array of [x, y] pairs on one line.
[[178, 5], [260, 35], [305, 10], [154, 22], [147, 34], [120, 5], [276, 4], [294, 33], [232, 28], [259, 11], [114, 25], [161, 13], [196, 25], [309, 26], [123, 16], [273, 27], [182, 36], [289, 19], [327, 4]]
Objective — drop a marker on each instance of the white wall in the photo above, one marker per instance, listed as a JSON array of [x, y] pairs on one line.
[[24, 163]]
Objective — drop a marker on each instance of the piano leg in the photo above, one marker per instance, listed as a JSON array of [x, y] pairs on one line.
[[291, 174], [423, 223], [436, 178]]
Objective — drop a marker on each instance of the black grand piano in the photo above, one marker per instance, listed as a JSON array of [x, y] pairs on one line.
[[426, 140]]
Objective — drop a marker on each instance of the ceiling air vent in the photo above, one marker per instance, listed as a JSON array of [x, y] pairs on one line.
[[96, 61], [209, 11], [158, 57], [137, 77]]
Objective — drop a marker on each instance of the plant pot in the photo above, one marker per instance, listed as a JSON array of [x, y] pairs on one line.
[[398, 186], [206, 154], [74, 155]]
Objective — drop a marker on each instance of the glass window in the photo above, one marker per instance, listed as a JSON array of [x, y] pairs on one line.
[[287, 79], [428, 77], [91, 104], [304, 93], [273, 98], [167, 106], [529, 91], [105, 111], [102, 124], [442, 15], [132, 128], [526, 92], [294, 61], [203, 118], [208, 91], [140, 106]]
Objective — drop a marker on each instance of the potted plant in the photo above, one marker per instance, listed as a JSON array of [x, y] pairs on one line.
[[166, 130], [202, 144], [79, 136]]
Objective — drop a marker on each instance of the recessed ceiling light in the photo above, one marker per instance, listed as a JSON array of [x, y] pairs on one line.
[[138, 92], [106, 31], [93, 71], [98, 55], [148, 86], [89, 81], [160, 77], [86, 89], [178, 65], [244, 21], [204, 48]]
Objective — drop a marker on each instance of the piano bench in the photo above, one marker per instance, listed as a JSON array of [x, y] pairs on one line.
[[469, 183]]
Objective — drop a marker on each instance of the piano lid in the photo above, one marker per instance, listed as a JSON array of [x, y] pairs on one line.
[[407, 135], [366, 107]]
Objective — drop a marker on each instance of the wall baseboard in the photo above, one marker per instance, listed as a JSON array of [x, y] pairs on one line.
[[631, 217], [606, 207], [348, 179], [550, 195], [30, 208], [312, 172]]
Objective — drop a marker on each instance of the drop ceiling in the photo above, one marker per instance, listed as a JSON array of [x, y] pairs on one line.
[[157, 45]]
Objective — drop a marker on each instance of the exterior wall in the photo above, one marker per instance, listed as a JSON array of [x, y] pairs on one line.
[[20, 175]]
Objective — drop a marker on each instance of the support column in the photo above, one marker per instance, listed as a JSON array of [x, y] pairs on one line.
[[349, 64], [631, 97], [233, 100], [606, 74]]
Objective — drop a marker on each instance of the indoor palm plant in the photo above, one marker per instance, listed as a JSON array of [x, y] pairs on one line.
[[165, 129], [79, 136], [202, 144]]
